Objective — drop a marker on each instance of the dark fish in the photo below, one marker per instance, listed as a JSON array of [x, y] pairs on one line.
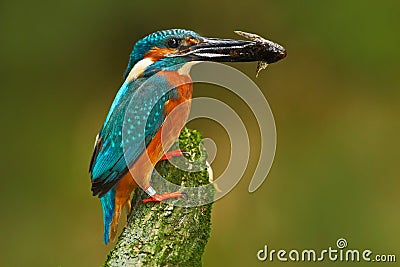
[[264, 48]]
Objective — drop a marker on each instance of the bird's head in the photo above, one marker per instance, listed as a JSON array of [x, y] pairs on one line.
[[169, 49]]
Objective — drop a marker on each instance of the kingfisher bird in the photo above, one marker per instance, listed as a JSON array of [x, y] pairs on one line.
[[166, 57]]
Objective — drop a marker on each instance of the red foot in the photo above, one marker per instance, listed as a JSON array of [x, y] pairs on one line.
[[170, 154], [159, 198]]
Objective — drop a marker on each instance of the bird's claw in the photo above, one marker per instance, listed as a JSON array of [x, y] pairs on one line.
[[175, 153], [161, 197]]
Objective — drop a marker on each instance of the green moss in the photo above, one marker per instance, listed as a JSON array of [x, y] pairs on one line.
[[160, 234]]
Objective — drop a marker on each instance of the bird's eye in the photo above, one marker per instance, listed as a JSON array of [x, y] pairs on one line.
[[173, 42]]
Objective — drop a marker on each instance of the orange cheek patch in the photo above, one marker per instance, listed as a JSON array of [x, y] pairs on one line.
[[189, 41], [156, 53]]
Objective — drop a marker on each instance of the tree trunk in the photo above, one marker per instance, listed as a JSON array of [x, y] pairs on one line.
[[161, 234]]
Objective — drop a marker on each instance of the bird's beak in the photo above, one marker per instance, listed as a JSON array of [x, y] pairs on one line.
[[226, 50]]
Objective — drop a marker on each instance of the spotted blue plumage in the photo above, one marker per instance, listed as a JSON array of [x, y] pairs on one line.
[[107, 164], [144, 116], [110, 163]]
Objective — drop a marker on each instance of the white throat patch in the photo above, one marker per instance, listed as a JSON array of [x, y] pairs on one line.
[[139, 68], [142, 65]]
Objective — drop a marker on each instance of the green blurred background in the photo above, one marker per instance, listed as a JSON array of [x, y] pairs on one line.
[[335, 100]]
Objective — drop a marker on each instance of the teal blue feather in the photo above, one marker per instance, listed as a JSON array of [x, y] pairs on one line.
[[107, 205], [110, 165]]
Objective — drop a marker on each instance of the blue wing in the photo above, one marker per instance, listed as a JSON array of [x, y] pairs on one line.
[[133, 120]]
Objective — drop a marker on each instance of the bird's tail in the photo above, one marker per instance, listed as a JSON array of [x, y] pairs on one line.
[[108, 205]]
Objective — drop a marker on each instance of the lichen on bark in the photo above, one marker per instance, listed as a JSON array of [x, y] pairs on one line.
[[161, 234]]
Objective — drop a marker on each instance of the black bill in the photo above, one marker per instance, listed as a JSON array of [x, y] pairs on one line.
[[226, 50]]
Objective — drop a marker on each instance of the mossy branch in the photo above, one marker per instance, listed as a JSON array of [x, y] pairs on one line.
[[160, 234]]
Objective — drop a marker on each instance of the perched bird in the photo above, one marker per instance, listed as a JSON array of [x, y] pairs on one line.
[[165, 57]]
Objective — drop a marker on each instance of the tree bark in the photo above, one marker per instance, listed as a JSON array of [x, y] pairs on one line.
[[161, 234]]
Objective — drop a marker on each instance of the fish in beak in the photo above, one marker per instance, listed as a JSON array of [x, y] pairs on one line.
[[227, 50]]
